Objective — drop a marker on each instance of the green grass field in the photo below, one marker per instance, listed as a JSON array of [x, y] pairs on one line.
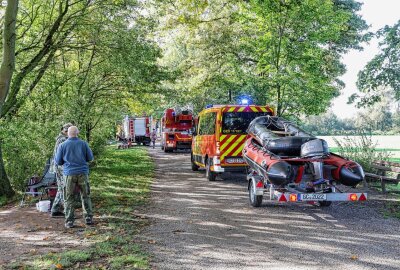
[[120, 183]]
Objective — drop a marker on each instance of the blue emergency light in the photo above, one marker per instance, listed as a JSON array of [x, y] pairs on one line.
[[244, 101]]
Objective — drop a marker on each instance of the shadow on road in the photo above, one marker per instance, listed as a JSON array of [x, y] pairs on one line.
[[199, 224]]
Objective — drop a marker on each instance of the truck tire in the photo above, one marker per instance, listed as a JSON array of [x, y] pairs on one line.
[[210, 175], [255, 200], [194, 165]]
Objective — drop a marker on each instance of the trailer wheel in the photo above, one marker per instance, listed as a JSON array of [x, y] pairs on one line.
[[210, 175], [324, 203], [194, 165], [255, 200]]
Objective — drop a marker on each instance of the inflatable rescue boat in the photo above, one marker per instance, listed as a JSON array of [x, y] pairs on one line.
[[284, 154]]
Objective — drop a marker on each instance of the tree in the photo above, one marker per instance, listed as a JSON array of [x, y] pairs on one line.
[[75, 61], [383, 70], [285, 53], [6, 72]]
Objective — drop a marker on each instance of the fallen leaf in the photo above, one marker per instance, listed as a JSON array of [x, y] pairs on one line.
[[33, 251], [46, 238], [354, 257], [151, 241], [59, 266]]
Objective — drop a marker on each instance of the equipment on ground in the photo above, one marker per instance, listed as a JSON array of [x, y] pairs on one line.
[[295, 166], [176, 125]]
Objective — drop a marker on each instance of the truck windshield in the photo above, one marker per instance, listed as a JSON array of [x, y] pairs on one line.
[[238, 122]]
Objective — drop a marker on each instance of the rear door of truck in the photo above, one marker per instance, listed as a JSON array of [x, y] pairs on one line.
[[234, 123]]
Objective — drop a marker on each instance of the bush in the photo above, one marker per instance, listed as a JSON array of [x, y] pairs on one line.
[[361, 150], [26, 147]]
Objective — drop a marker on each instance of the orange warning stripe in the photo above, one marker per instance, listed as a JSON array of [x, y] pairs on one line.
[[232, 146], [250, 108], [227, 142]]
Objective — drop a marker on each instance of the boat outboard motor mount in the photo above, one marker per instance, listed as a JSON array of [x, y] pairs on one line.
[[314, 148]]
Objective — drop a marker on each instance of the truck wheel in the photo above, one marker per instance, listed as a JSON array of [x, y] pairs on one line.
[[194, 165], [255, 200], [210, 175]]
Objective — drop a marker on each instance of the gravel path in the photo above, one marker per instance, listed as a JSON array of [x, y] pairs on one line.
[[196, 224]]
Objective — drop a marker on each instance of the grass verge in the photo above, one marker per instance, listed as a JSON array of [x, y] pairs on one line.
[[120, 183]]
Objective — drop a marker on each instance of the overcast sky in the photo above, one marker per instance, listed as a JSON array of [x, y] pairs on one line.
[[377, 13]]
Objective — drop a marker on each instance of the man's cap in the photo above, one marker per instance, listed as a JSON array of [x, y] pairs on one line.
[[66, 126]]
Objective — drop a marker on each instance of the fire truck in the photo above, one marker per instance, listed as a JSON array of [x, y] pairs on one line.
[[137, 129], [176, 127]]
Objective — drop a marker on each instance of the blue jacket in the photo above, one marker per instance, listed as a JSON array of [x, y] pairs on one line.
[[74, 154]]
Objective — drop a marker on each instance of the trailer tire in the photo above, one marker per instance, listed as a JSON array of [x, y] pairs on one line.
[[210, 175], [255, 200], [195, 167]]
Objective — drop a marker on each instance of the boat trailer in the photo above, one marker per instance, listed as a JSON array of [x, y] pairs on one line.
[[292, 193]]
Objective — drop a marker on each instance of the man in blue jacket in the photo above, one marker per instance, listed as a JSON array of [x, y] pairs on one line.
[[74, 154]]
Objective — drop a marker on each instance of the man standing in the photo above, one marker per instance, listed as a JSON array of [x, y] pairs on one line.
[[74, 154], [59, 199], [153, 137]]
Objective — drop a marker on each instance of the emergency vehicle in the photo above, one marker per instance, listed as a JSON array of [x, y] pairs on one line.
[[219, 137], [176, 125], [137, 129]]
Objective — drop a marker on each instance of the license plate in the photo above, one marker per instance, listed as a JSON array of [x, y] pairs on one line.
[[234, 160], [313, 197]]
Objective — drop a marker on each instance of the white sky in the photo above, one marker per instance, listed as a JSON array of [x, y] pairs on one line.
[[377, 13]]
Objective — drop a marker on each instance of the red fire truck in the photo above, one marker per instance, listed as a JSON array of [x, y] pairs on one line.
[[176, 127]]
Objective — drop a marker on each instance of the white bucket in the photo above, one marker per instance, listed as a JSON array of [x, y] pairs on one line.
[[44, 206]]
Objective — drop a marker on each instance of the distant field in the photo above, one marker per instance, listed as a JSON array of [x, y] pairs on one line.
[[384, 143]]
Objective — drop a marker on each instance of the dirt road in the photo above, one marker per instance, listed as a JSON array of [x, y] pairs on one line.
[[196, 224]]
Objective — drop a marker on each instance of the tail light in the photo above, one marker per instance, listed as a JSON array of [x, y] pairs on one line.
[[353, 197]]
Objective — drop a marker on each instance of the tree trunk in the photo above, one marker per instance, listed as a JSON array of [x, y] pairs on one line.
[[8, 61], [5, 187], [6, 72], [88, 132]]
